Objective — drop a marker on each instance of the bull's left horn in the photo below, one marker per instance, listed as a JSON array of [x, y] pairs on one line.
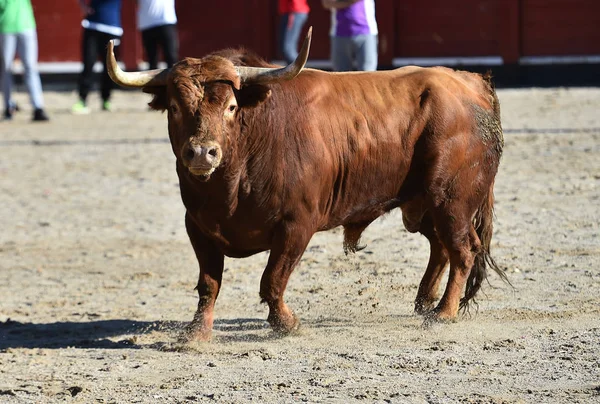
[[266, 75], [157, 77]]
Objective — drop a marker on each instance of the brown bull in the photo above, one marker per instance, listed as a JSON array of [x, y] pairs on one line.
[[268, 156]]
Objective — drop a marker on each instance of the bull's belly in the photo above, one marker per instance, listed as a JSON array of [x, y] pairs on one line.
[[363, 213], [240, 252], [359, 202], [252, 228]]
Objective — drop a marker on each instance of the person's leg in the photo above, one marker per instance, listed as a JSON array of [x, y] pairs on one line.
[[281, 34], [8, 44], [366, 52], [341, 54], [170, 44], [107, 83], [27, 48], [149, 39], [290, 35], [88, 57]]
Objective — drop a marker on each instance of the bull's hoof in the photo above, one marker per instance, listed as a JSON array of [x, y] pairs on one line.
[[284, 325], [436, 316], [195, 333], [424, 307]]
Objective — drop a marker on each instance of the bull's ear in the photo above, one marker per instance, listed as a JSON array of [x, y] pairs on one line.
[[159, 101], [253, 95]]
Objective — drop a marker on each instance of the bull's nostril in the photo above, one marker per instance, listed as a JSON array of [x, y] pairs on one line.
[[189, 154], [213, 152]]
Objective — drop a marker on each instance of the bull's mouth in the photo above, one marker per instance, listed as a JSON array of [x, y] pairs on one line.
[[203, 173]]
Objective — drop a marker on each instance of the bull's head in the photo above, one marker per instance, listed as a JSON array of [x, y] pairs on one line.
[[203, 98]]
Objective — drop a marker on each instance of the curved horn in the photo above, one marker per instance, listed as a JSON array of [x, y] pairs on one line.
[[266, 75], [157, 77]]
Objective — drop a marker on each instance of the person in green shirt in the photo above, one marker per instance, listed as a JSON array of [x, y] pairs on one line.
[[18, 36]]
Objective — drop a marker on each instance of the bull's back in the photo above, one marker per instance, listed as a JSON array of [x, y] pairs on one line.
[[361, 130]]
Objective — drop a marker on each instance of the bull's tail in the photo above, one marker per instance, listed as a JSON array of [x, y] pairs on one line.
[[491, 130], [483, 260]]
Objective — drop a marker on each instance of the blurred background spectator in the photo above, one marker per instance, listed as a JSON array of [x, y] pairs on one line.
[[292, 17], [18, 35], [527, 42], [353, 34], [157, 22], [101, 23]]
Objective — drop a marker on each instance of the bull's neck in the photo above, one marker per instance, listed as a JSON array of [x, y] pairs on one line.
[[218, 195]]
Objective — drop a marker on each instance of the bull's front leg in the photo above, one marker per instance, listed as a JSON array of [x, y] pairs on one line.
[[211, 261], [289, 245]]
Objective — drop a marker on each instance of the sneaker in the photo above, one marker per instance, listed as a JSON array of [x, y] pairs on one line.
[[107, 106], [40, 116], [8, 112], [80, 108]]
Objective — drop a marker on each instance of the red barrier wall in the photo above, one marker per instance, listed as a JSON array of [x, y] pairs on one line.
[[408, 28]]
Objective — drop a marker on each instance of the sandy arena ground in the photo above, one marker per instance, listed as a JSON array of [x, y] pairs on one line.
[[97, 277]]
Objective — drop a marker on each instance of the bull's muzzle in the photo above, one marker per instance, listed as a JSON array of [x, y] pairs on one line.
[[201, 159]]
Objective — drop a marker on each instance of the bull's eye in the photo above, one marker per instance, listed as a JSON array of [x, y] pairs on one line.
[[174, 109], [232, 108]]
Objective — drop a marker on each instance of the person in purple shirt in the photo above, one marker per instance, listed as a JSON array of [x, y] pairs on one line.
[[353, 34]]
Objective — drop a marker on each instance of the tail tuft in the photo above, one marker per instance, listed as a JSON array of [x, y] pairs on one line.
[[483, 260]]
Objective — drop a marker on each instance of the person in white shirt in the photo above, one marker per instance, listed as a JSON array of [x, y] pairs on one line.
[[157, 21]]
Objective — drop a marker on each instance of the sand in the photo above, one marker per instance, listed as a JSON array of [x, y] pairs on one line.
[[97, 277]]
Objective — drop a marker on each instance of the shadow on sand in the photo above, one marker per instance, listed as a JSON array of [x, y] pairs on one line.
[[109, 334], [91, 334], [120, 334]]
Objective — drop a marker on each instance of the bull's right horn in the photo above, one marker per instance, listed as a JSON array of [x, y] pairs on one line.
[[157, 77]]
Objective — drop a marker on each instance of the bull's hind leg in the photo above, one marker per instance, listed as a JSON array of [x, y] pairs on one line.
[[438, 260], [211, 262], [455, 229], [416, 219], [288, 246]]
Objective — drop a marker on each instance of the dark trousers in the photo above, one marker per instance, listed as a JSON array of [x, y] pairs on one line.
[[93, 47], [164, 36]]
